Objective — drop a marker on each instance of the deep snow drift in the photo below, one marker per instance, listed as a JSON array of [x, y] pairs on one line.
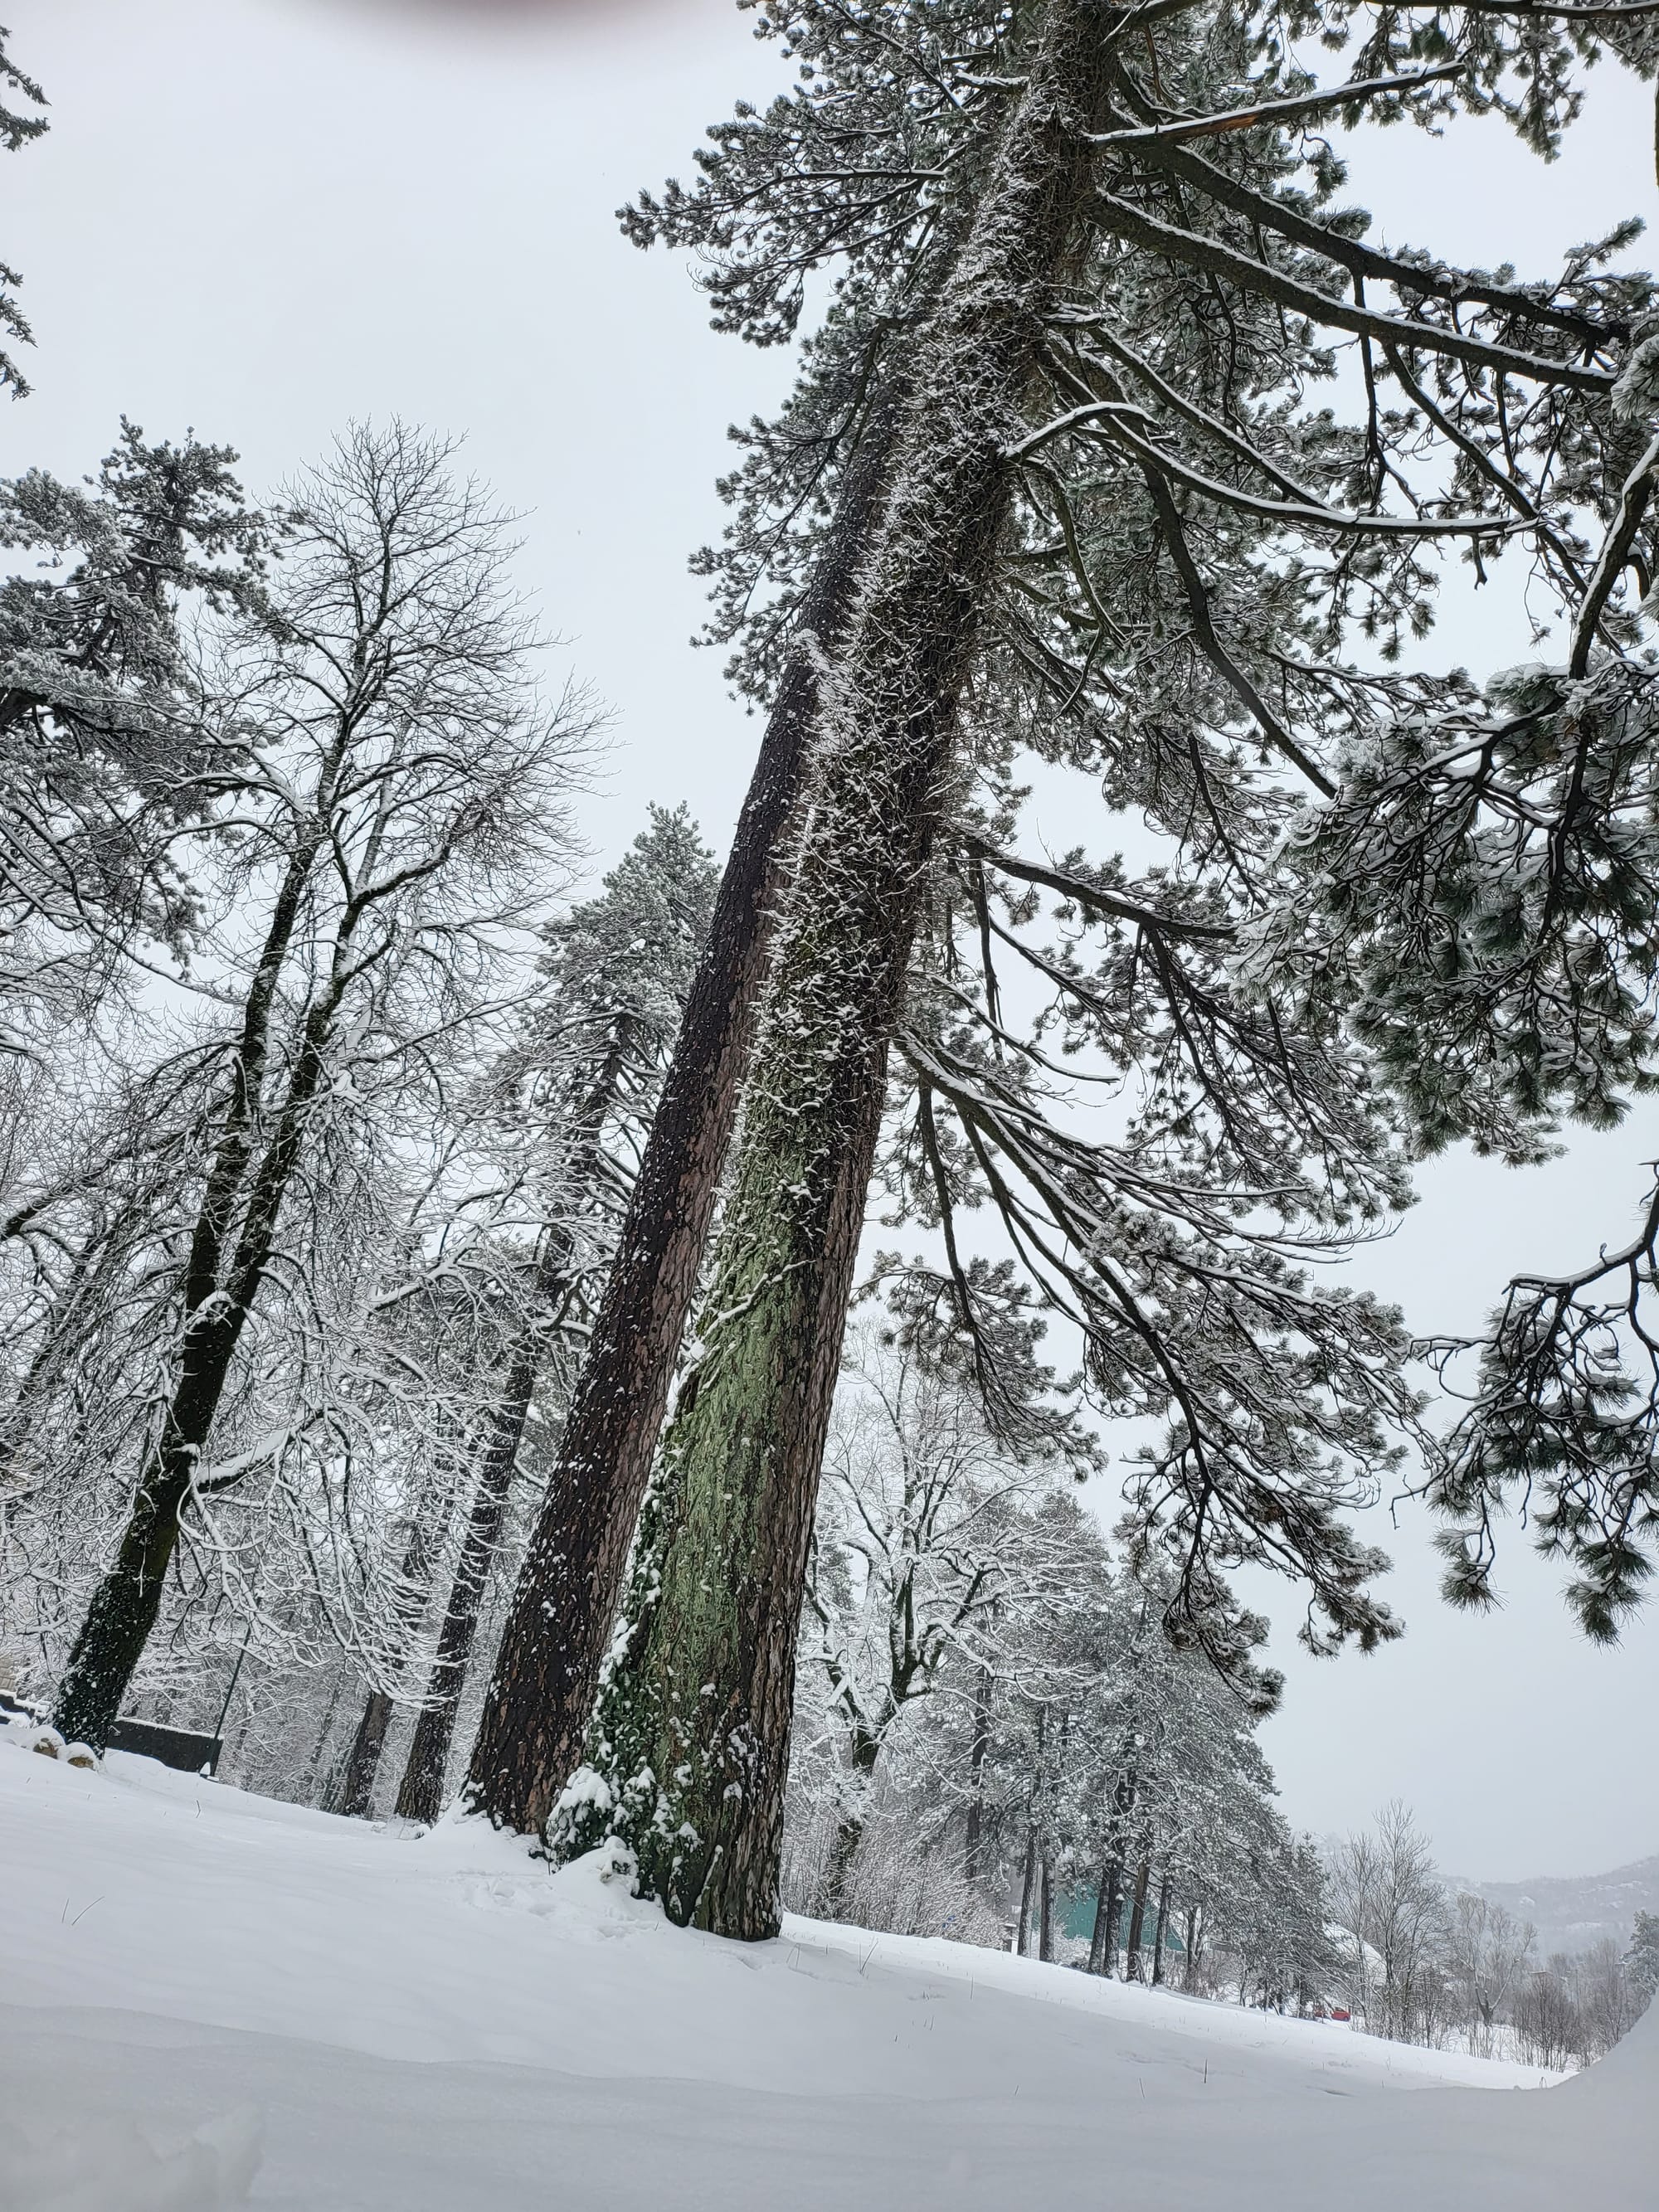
[[198, 1986]]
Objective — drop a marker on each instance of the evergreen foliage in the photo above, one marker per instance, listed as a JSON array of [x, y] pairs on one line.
[[1641, 1960], [18, 127], [110, 751], [1126, 533]]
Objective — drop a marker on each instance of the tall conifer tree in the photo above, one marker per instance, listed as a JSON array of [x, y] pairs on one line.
[[1116, 530]]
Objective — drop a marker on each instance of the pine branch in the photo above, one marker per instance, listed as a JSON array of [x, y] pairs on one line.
[[1633, 503], [1274, 111], [1187, 247], [1081, 892], [1454, 286]]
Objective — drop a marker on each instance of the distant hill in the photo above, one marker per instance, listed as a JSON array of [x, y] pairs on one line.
[[1572, 1911]]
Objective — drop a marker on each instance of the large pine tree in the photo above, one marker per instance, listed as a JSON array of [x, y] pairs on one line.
[[1118, 529]]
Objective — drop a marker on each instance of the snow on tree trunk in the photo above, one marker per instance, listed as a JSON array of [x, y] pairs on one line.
[[363, 1761], [1103, 1943], [974, 1851], [688, 1750], [409, 773], [1137, 1924], [125, 1603], [1022, 1930], [553, 1646], [420, 1794]]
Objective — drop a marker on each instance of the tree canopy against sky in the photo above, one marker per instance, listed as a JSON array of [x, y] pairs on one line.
[[18, 126], [393, 770]]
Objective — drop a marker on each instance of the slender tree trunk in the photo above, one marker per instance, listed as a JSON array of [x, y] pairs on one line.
[[1190, 1977], [216, 1298], [1137, 1924], [363, 1762], [1036, 1852], [420, 1794], [1104, 1948], [541, 1694], [1046, 1909], [126, 1604], [1102, 1944], [420, 1791], [693, 1724], [1025, 1889], [974, 1854], [315, 1769], [1158, 1927]]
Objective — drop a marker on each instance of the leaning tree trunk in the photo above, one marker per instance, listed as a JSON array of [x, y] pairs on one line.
[[363, 1761], [553, 1644], [127, 1601], [216, 1300], [420, 1794], [688, 1749]]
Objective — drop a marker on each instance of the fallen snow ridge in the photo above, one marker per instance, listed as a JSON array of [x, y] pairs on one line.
[[209, 1999]]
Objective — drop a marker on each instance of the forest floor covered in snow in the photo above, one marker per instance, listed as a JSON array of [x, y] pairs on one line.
[[207, 1999]]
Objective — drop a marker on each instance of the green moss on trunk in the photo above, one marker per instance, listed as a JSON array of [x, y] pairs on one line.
[[687, 1752]]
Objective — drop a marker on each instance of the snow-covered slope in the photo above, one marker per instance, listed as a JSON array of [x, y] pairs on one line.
[[187, 1974]]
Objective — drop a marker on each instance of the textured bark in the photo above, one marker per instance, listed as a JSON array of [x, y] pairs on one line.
[[420, 1793], [1025, 1888], [975, 1851], [126, 1604], [689, 1745], [1102, 1946], [363, 1762], [1046, 1909], [530, 1734], [230, 1248], [1158, 1927], [1136, 1925]]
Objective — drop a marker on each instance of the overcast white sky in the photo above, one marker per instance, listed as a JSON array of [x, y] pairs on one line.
[[264, 217]]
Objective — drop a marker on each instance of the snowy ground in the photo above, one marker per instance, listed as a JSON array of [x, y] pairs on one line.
[[197, 1985]]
